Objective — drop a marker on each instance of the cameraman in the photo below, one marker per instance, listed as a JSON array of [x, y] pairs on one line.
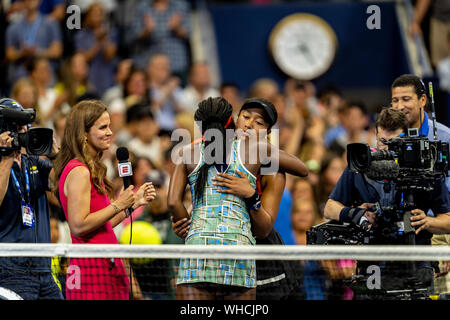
[[354, 195], [409, 95], [24, 218]]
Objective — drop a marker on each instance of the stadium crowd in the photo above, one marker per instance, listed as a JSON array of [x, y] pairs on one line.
[[141, 68]]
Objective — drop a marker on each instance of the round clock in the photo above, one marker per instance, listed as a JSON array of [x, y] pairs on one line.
[[303, 46]]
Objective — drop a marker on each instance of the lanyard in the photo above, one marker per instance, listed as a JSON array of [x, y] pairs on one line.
[[16, 182]]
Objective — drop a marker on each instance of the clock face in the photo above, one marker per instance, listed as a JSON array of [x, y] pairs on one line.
[[303, 46]]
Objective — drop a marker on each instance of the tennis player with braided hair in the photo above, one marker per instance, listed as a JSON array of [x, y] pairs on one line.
[[218, 218]]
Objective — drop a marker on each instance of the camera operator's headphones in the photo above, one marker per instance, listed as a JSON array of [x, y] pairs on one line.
[[12, 104], [423, 88]]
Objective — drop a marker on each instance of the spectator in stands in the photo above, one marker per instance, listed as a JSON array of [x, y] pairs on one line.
[[74, 79], [231, 92], [34, 35], [147, 143], [264, 88], [135, 91], [14, 11], [315, 281], [312, 155], [124, 19], [165, 91], [312, 102], [312, 149], [59, 123], [330, 100], [291, 126], [305, 214], [338, 131], [310, 120], [331, 169], [354, 123], [302, 189], [128, 131], [162, 26], [49, 101], [166, 142], [55, 9], [25, 93], [439, 26], [199, 86], [122, 71], [299, 100], [98, 42], [108, 5]]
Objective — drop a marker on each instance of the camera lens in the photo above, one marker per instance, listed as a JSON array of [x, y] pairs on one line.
[[358, 156], [39, 141]]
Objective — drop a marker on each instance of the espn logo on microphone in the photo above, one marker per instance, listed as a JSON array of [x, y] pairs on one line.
[[125, 169]]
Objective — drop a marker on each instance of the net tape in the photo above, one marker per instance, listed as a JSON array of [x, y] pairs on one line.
[[258, 252]]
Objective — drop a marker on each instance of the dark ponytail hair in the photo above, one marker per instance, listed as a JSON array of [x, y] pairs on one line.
[[212, 113]]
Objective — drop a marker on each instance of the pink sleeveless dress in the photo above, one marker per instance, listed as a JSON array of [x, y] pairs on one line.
[[94, 278]]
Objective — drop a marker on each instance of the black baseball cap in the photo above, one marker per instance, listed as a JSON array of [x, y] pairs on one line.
[[271, 114]]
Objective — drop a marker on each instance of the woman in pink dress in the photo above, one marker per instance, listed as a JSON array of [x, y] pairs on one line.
[[85, 193]]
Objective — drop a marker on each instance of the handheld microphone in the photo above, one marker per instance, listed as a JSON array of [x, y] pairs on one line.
[[124, 167], [125, 172]]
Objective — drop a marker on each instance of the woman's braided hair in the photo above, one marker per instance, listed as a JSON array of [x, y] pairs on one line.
[[212, 113]]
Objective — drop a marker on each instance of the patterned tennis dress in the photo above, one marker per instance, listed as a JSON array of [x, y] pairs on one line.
[[219, 219]]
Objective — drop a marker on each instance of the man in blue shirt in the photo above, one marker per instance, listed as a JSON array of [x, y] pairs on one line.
[[162, 27], [33, 35], [409, 95], [355, 193], [24, 218]]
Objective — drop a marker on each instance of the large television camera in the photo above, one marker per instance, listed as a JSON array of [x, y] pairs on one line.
[[36, 141], [413, 163]]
